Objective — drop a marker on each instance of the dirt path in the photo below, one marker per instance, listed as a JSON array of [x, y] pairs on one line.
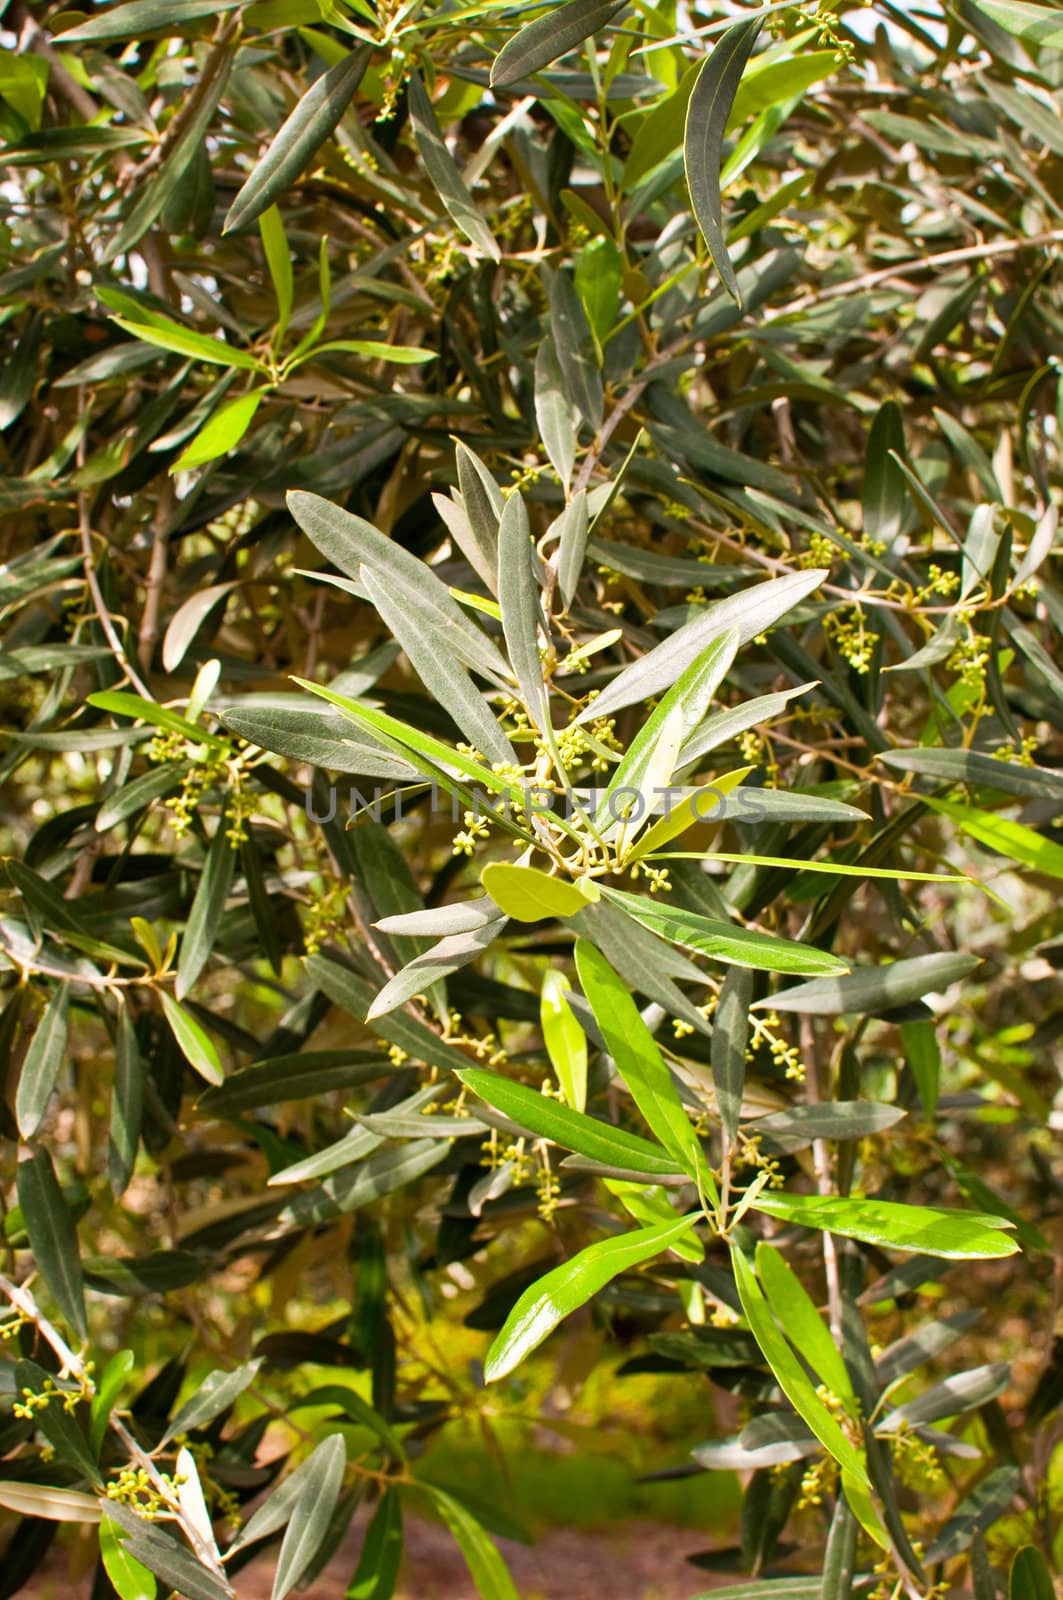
[[639, 1561]]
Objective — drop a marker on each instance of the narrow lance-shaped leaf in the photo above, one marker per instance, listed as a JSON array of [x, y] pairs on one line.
[[725, 942], [214, 1395], [789, 1372], [752, 611], [639, 1060], [193, 1040], [204, 918], [884, 495], [708, 112], [566, 1042], [310, 1516], [801, 1322], [874, 989], [486, 1566], [653, 755], [554, 412], [299, 138], [730, 1035], [598, 1141], [1030, 1578], [929, 1230], [550, 36], [130, 1579], [151, 197], [562, 1291], [433, 658], [43, 1063], [443, 171], [53, 1237], [221, 432], [378, 1565], [127, 1104], [519, 597]]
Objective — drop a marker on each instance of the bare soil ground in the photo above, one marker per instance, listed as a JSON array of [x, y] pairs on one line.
[[636, 1561]]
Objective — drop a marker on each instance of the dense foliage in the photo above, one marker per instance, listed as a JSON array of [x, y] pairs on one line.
[[528, 646]]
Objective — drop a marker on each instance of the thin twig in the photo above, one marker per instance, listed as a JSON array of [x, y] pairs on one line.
[[945, 258]]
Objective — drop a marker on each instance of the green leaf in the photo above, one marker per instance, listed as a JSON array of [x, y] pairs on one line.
[[554, 412], [138, 795], [839, 1558], [109, 1386], [724, 942], [987, 1501], [381, 1557], [193, 1040], [214, 1394], [127, 1104], [1042, 25], [131, 1580], [1012, 839], [134, 705], [54, 1505], [53, 1237], [968, 766], [1030, 1578], [554, 34], [349, 542], [433, 658], [796, 1314], [310, 1516], [20, 374], [572, 1130], [349, 1189], [708, 113], [660, 132], [489, 1572], [184, 158], [751, 612], [833, 1119], [574, 344], [297, 141], [780, 81], [443, 171], [165, 334], [651, 759], [730, 1037], [872, 990], [140, 17], [572, 545], [566, 1043], [306, 730], [293, 1077], [690, 811], [789, 1372], [61, 1428], [554, 1297], [528, 895], [221, 432], [640, 1063], [956, 1235], [884, 495], [923, 1054], [205, 916], [43, 1063], [955, 1396], [519, 598]]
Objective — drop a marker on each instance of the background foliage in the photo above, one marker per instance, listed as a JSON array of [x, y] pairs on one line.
[[763, 320]]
